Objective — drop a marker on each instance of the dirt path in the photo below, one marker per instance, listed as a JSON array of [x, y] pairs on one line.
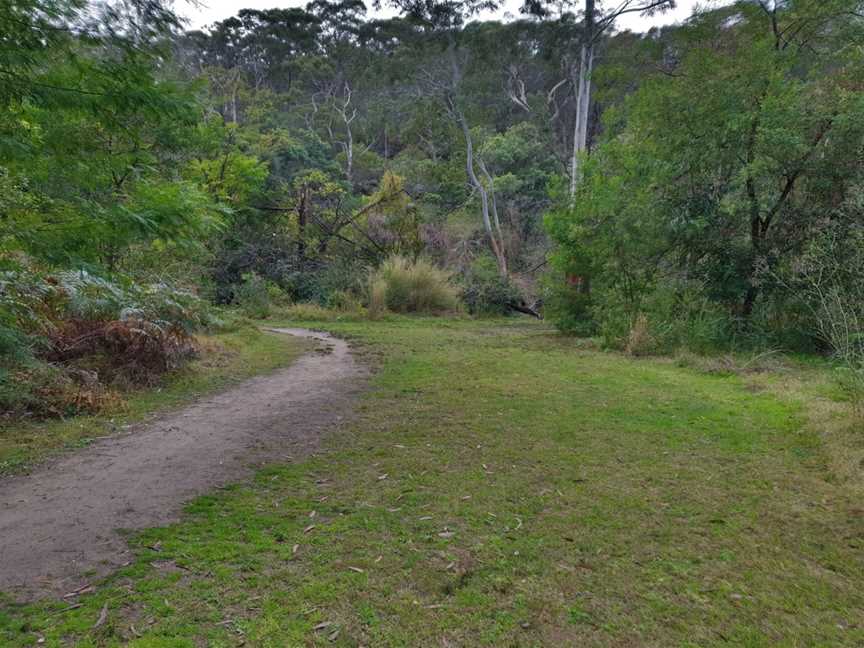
[[64, 520]]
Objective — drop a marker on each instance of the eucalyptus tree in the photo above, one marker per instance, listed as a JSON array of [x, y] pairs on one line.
[[386, 53], [265, 44], [598, 18], [442, 76], [534, 60], [337, 78]]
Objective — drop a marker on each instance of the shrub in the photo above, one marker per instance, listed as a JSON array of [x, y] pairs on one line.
[[344, 301], [89, 297], [256, 296], [486, 292], [44, 390], [827, 279], [133, 350], [684, 318], [669, 318], [163, 303], [567, 306], [403, 286], [301, 279], [345, 274], [66, 337], [850, 381]]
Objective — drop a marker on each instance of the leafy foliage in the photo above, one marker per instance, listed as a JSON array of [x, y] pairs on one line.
[[485, 292], [256, 296], [716, 175], [279, 155]]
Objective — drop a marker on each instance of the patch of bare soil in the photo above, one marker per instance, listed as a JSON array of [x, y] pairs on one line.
[[67, 518]]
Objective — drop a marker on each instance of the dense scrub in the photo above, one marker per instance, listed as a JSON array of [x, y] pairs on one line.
[[70, 337], [722, 206]]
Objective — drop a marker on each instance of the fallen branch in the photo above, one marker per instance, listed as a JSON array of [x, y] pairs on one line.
[[527, 310]]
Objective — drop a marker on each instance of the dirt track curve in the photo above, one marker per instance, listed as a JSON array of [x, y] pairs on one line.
[[66, 518]]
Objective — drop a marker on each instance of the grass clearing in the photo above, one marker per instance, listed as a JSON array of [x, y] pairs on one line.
[[225, 359], [505, 486]]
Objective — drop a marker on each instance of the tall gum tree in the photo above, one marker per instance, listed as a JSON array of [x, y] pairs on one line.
[[442, 22], [597, 19]]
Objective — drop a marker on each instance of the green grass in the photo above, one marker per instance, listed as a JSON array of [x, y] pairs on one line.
[[501, 486], [225, 359]]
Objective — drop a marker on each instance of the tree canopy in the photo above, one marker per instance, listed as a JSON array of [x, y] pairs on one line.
[[304, 145]]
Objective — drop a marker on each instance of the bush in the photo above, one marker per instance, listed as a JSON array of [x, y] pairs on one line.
[[669, 318], [170, 306], [827, 280], [344, 301], [403, 286], [256, 296], [850, 380], [66, 337], [567, 306], [301, 279], [133, 350], [486, 292], [44, 390], [345, 275]]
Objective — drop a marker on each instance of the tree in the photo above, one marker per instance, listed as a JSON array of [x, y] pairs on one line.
[[94, 128], [596, 21], [265, 44], [335, 80], [732, 158], [442, 21]]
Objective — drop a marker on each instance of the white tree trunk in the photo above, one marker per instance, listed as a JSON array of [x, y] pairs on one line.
[[583, 103], [583, 92], [491, 182], [349, 153], [496, 243], [348, 115]]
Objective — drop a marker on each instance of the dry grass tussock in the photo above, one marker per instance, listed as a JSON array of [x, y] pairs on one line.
[[639, 340], [401, 285]]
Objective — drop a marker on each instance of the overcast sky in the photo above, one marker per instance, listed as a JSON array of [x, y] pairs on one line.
[[211, 11]]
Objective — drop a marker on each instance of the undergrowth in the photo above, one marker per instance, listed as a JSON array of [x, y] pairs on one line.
[[70, 340]]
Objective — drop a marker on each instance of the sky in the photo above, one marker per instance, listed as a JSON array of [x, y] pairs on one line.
[[210, 11]]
